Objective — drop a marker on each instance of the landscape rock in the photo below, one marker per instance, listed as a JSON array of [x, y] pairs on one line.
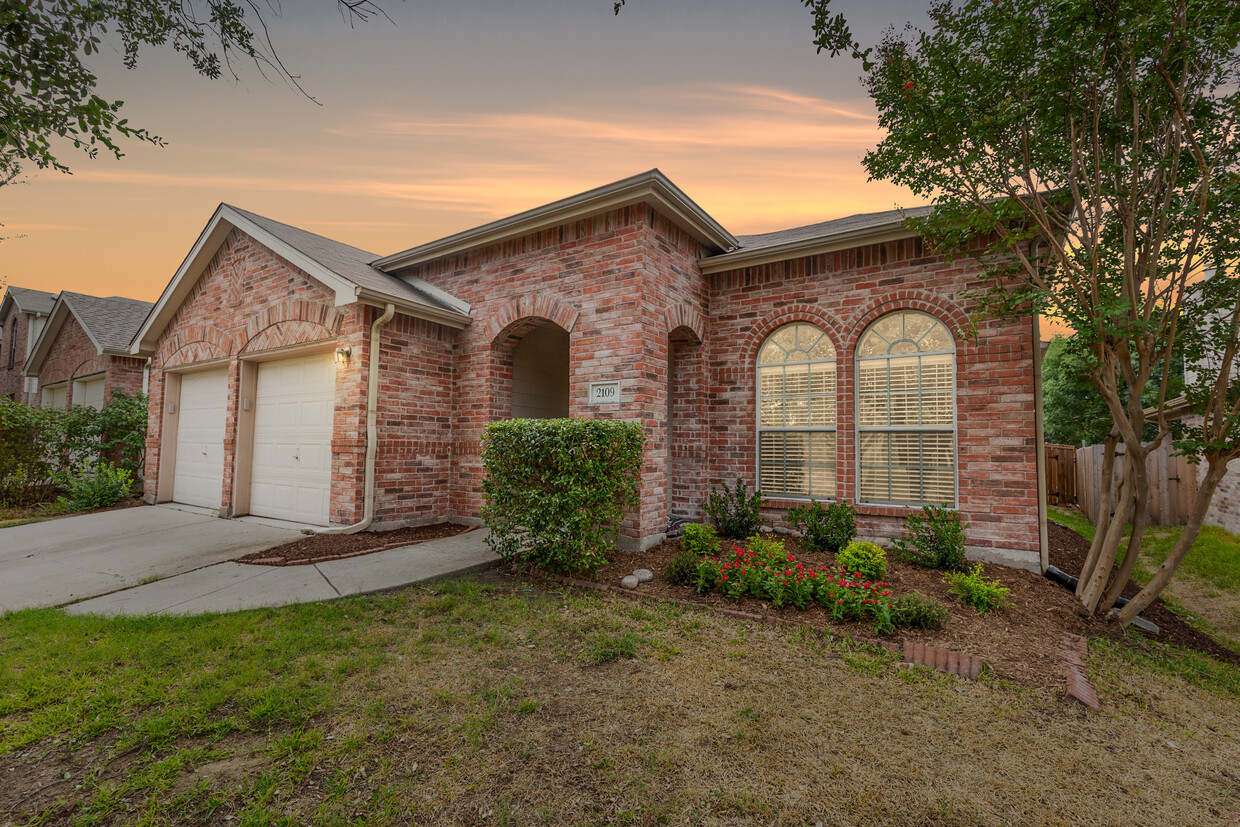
[[643, 575], [629, 582]]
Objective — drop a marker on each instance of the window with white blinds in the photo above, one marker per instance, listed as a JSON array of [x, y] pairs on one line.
[[906, 411], [796, 413]]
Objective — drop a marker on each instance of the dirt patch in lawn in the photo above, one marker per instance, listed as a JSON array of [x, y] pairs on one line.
[[318, 547], [1019, 642]]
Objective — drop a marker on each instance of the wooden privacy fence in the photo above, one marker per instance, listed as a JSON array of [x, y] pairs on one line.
[[1060, 474], [1173, 483]]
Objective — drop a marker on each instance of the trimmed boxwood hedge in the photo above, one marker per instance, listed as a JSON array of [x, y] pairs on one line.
[[556, 490]]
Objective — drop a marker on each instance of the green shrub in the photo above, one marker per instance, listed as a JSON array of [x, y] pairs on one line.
[[40, 446], [735, 512], [766, 549], [97, 487], [936, 539], [976, 591], [917, 611], [825, 529], [699, 539], [682, 569], [863, 558], [556, 490]]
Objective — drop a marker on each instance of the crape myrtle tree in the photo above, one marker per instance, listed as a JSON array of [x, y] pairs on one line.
[[48, 97], [1093, 145]]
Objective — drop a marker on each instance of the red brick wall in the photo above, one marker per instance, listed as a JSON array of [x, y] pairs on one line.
[[71, 355], [250, 300], [843, 293], [11, 379], [610, 281], [413, 470], [124, 375]]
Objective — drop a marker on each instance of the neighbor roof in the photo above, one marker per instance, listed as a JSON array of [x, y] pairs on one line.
[[27, 301], [110, 324], [824, 236], [342, 268]]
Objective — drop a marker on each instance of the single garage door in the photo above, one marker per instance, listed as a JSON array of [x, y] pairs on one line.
[[199, 475], [295, 403]]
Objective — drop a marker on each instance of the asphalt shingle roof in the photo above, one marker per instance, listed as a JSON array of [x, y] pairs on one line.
[[350, 263], [32, 301], [825, 229], [111, 321]]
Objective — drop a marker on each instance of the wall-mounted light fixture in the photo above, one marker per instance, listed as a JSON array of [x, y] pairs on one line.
[[343, 354]]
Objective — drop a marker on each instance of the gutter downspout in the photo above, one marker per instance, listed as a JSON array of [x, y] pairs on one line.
[[372, 428]]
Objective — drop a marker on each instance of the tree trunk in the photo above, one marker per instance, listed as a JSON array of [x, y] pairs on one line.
[[1217, 467], [1108, 499], [1140, 516], [1109, 548]]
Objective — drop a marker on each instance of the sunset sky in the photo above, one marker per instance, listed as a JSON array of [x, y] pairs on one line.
[[457, 113]]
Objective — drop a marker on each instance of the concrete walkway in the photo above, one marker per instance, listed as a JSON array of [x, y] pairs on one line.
[[53, 562], [227, 587]]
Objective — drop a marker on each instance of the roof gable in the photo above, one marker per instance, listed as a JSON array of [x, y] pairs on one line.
[[109, 322], [651, 187], [344, 269], [37, 302]]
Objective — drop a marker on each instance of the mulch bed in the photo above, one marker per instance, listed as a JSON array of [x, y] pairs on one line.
[[320, 547], [1020, 643], [1068, 551]]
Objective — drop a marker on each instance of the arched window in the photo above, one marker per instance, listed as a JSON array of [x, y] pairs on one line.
[[796, 413], [906, 410]]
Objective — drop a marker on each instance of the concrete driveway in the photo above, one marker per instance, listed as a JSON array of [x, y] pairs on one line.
[[58, 561]]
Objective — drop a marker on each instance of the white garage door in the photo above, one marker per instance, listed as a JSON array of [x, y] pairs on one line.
[[295, 403], [199, 476]]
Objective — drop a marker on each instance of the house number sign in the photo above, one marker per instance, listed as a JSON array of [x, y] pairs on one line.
[[605, 393]]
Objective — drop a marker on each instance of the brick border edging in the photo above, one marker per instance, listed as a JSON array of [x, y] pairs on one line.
[[280, 562], [1072, 651], [959, 664]]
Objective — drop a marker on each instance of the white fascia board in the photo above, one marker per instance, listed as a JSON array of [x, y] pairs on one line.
[[447, 318], [651, 187], [178, 288], [36, 355], [892, 231]]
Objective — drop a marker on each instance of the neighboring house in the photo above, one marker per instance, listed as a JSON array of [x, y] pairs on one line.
[[22, 315], [825, 361], [82, 354]]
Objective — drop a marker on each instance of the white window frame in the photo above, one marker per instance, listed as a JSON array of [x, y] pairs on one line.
[[833, 429], [952, 429]]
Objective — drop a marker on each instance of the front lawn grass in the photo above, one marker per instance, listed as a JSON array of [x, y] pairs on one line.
[[469, 702]]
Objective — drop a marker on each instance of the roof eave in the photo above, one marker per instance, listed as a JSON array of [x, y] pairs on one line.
[[448, 318], [652, 187], [878, 234]]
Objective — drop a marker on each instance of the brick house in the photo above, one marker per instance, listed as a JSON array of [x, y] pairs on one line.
[[819, 362], [22, 316], [81, 356]]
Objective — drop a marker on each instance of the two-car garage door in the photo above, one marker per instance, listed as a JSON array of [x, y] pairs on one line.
[[294, 403]]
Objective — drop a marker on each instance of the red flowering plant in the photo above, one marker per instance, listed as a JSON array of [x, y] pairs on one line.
[[848, 595]]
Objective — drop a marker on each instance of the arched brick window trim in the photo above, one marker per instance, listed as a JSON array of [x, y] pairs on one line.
[[951, 315], [793, 313]]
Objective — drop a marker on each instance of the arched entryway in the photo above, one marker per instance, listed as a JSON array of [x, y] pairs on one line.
[[534, 355]]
